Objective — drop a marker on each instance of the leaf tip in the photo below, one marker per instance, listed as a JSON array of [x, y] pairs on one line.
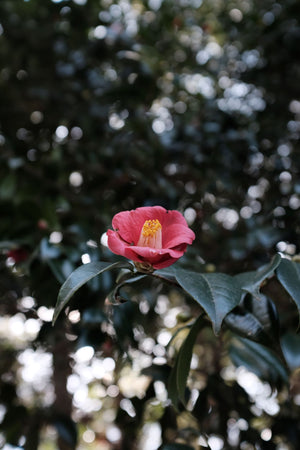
[[55, 316]]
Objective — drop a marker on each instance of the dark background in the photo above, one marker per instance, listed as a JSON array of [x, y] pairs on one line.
[[107, 106]]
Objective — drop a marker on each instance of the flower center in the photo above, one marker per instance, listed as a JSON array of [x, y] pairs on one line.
[[151, 227], [151, 234]]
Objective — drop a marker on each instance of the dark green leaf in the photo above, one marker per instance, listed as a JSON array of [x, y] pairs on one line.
[[133, 279], [172, 385], [118, 294], [288, 273], [217, 293], [79, 277], [258, 359], [169, 273], [251, 281], [180, 371], [185, 357], [290, 344], [256, 320], [127, 276]]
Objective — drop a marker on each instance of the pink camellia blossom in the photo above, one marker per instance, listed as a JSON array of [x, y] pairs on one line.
[[152, 237]]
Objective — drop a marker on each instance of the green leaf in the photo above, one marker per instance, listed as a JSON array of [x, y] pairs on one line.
[[251, 281], [134, 278], [290, 344], [79, 277], [185, 357], [217, 293], [255, 320], [118, 294], [259, 360], [180, 371], [288, 273], [168, 274]]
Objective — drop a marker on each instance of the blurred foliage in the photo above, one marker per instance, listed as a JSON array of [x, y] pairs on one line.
[[105, 106]]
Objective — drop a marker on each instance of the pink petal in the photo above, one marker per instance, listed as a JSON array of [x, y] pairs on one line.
[[130, 223], [177, 234], [115, 244], [155, 256], [162, 264], [172, 217], [119, 247]]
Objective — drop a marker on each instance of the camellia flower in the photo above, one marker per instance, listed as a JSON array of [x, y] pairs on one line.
[[152, 237]]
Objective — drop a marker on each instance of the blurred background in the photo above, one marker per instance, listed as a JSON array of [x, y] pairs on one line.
[[111, 105]]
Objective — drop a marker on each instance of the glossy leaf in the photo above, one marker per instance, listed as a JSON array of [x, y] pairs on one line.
[[118, 295], [168, 274], [251, 281], [288, 273], [256, 320], [133, 279], [290, 344], [185, 357], [258, 359], [79, 277], [217, 293], [180, 371]]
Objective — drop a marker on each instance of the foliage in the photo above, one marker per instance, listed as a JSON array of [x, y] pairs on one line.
[[108, 106]]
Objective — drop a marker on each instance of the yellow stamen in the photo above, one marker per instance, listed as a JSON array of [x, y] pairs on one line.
[[151, 234], [150, 227]]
